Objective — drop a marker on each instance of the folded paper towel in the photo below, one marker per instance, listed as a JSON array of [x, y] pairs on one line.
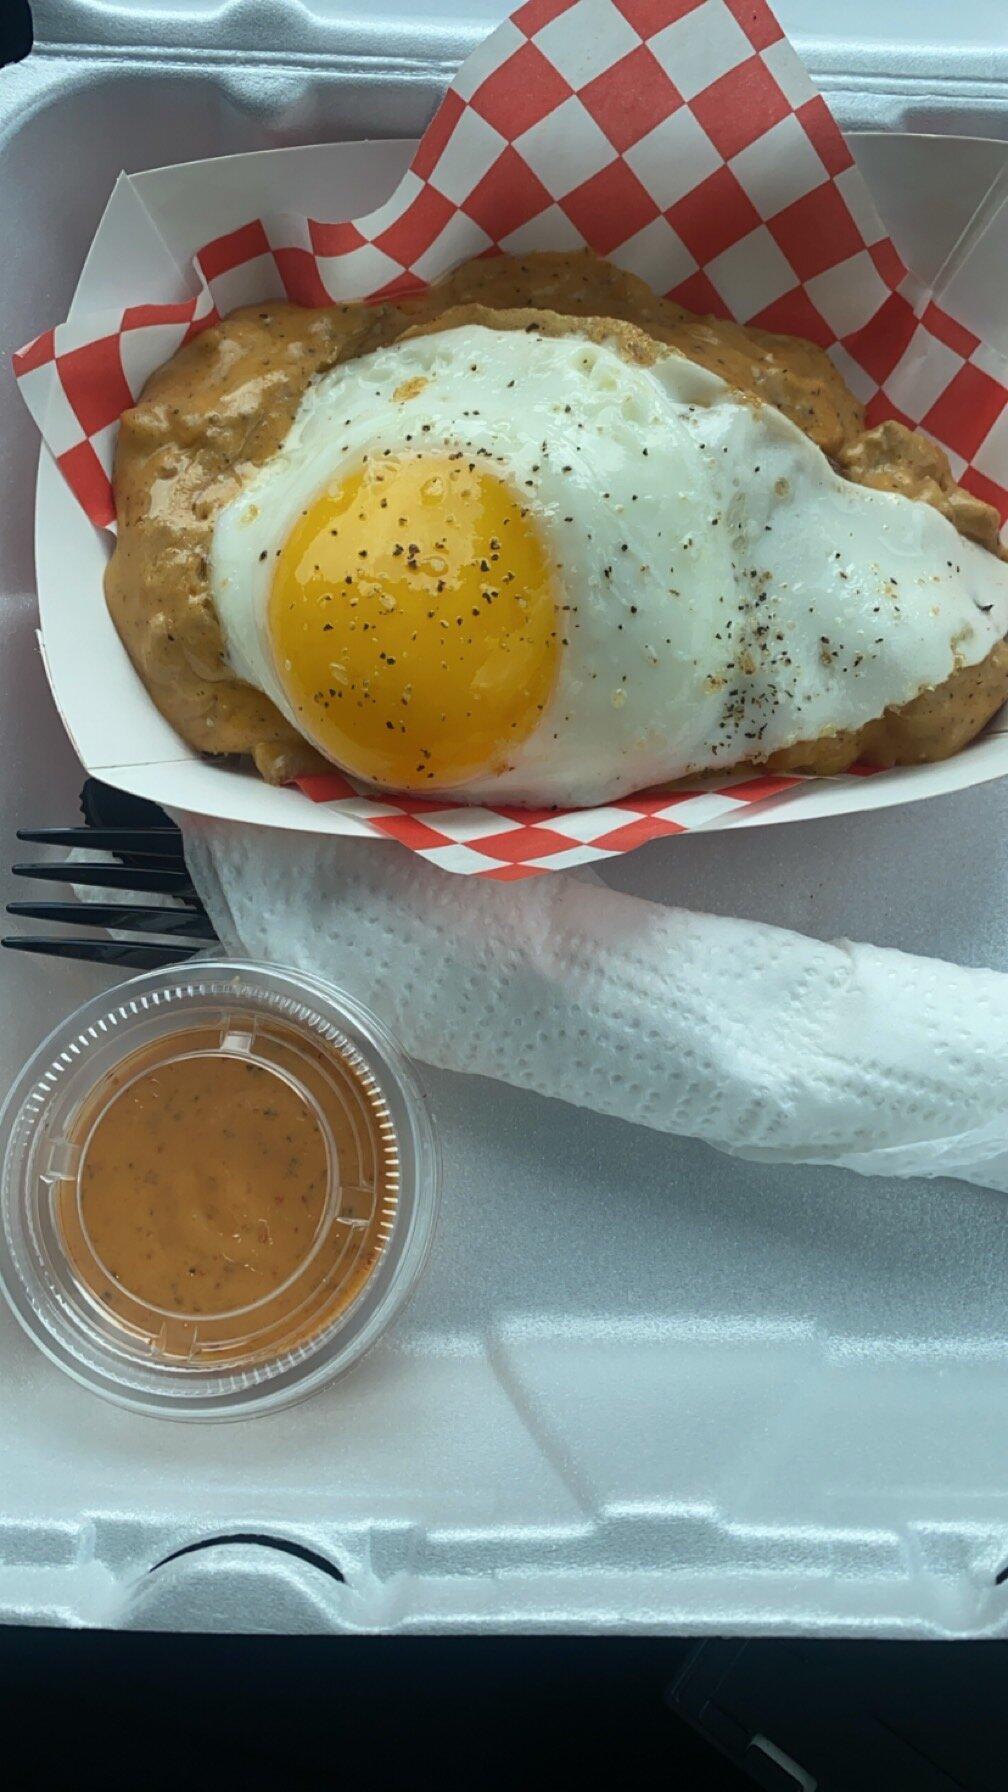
[[764, 1043]]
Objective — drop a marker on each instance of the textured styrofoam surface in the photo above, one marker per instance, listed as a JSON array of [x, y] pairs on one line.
[[640, 1385]]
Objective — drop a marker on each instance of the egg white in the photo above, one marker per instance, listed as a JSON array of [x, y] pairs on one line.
[[728, 594]]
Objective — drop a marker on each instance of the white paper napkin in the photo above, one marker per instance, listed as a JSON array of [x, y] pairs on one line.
[[763, 1043]]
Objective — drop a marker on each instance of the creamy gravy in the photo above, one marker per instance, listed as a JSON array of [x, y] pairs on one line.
[[224, 403]]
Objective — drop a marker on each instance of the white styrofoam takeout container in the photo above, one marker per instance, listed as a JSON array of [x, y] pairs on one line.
[[642, 1386]]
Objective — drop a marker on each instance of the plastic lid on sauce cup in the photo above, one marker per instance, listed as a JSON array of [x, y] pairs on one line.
[[219, 1185]]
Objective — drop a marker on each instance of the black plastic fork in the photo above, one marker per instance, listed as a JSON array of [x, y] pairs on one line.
[[146, 858]]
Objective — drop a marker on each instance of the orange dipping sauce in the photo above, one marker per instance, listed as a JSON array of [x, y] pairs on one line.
[[234, 1192]]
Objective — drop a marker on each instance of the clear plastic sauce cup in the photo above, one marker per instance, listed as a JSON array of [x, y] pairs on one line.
[[219, 1185]]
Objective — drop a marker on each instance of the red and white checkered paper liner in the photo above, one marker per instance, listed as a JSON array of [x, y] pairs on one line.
[[682, 139]]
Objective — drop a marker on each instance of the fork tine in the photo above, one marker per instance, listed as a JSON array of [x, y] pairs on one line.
[[112, 877], [140, 956], [187, 923], [150, 843]]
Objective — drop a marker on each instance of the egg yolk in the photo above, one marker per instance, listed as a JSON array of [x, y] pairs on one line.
[[413, 621]]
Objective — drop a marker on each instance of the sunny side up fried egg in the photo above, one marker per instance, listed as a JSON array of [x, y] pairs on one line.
[[492, 564]]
